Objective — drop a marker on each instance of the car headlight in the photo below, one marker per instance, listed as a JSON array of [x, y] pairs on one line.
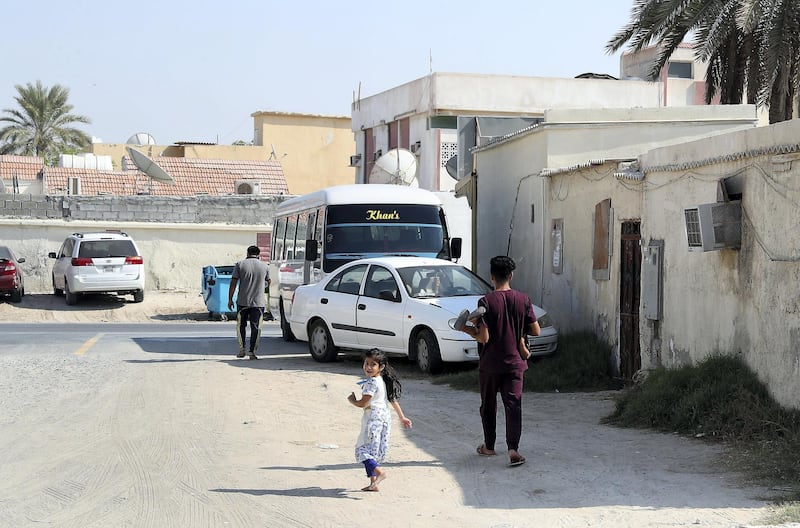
[[544, 321]]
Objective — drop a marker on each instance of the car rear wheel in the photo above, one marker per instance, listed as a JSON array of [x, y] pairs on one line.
[[72, 298], [16, 295], [427, 352], [286, 330], [58, 292], [320, 343], [138, 296]]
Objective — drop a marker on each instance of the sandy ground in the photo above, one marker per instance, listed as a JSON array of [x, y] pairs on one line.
[[269, 443], [157, 306]]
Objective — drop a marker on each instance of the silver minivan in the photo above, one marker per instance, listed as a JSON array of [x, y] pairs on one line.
[[103, 262]]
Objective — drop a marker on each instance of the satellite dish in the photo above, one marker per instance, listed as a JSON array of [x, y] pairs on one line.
[[149, 167], [141, 138], [398, 166], [452, 167]]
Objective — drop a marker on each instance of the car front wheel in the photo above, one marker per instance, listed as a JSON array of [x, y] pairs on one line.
[[427, 352], [320, 343]]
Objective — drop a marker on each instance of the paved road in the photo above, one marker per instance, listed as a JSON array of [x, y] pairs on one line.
[[159, 425]]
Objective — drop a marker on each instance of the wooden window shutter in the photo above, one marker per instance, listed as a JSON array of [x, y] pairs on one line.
[[601, 247]]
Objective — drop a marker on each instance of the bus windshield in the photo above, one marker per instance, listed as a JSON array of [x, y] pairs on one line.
[[360, 231]]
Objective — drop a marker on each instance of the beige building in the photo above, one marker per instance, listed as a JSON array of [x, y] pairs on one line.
[[314, 150], [182, 150]]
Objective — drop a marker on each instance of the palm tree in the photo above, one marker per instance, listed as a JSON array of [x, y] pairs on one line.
[[41, 126], [751, 46]]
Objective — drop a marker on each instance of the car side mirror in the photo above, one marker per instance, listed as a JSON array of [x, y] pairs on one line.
[[387, 295], [21, 260], [52, 254]]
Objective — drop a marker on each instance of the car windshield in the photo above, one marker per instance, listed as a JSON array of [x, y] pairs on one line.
[[106, 248], [442, 281], [5, 253]]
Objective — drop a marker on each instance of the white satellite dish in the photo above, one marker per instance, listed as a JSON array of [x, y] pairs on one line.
[[452, 167], [398, 166], [141, 138], [149, 167]]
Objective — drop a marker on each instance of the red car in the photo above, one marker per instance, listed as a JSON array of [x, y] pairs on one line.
[[11, 279]]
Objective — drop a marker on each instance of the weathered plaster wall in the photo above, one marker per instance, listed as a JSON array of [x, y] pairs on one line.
[[177, 236], [742, 301]]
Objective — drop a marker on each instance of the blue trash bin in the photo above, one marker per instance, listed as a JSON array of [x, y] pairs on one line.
[[216, 282]]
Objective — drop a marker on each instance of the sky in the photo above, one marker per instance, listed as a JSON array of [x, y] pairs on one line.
[[196, 70]]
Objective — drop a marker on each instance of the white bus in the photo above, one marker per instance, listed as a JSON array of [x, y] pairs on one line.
[[316, 233]]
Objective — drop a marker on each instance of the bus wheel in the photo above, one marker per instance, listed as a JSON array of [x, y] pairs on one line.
[[286, 330], [427, 352], [320, 344]]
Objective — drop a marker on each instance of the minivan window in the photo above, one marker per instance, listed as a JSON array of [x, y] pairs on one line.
[[106, 248]]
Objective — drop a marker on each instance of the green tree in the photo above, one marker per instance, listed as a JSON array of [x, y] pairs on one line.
[[41, 126], [751, 46]]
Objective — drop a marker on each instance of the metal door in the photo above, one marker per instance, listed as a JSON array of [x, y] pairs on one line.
[[630, 360]]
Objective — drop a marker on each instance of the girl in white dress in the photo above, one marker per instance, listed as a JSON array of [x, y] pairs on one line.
[[380, 389]]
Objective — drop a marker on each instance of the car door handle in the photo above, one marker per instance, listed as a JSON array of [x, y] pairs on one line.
[[362, 306], [324, 300]]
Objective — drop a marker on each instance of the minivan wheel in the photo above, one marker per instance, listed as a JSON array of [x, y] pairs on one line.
[[138, 296], [72, 298], [58, 292]]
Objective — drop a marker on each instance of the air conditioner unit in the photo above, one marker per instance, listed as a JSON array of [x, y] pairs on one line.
[[415, 147], [355, 161], [714, 226], [378, 154], [73, 185], [247, 187]]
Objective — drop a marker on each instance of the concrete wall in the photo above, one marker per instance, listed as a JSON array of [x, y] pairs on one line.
[[742, 301], [574, 298], [509, 181], [735, 301], [177, 236]]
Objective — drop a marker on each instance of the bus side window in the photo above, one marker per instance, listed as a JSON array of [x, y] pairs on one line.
[[291, 231], [279, 243]]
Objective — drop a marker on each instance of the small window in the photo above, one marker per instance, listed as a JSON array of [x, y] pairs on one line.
[[680, 70], [693, 234]]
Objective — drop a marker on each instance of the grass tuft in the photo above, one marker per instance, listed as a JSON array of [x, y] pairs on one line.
[[720, 398]]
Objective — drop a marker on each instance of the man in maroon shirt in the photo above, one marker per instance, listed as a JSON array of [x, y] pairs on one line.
[[508, 317]]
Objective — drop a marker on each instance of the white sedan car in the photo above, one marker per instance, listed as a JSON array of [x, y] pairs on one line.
[[402, 305]]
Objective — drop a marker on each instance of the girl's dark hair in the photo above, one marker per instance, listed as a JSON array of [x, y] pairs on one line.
[[393, 386]]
